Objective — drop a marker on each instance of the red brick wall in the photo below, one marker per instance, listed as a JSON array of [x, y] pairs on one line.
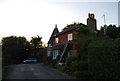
[[63, 38]]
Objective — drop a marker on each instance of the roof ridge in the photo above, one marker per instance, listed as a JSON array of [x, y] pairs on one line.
[[73, 27]]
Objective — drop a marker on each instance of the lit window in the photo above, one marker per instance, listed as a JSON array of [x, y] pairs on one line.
[[56, 40], [70, 38]]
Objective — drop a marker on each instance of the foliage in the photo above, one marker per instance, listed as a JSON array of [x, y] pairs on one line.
[[104, 59], [49, 59], [37, 50], [5, 72], [83, 75], [83, 37], [83, 31], [112, 31], [78, 69], [36, 41], [28, 49], [71, 59], [69, 25], [16, 49], [68, 64], [58, 58], [82, 71], [13, 49]]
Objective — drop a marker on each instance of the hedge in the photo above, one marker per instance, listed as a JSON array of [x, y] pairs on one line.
[[78, 69], [104, 59]]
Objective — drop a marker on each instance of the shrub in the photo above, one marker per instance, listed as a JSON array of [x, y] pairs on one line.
[[71, 59], [83, 66], [5, 72], [104, 59], [83, 75], [48, 60], [74, 67], [68, 64]]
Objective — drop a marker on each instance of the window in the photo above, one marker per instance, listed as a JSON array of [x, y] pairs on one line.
[[70, 53], [48, 53], [49, 45], [70, 38], [55, 54], [56, 40]]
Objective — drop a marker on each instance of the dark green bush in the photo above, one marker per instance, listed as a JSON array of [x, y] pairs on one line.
[[71, 59], [83, 66], [83, 75], [104, 59], [48, 60], [5, 72], [78, 69], [69, 67]]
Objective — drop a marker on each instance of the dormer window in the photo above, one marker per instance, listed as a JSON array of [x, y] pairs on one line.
[[56, 40], [70, 37]]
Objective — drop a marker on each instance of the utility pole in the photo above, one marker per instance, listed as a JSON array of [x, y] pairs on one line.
[[104, 24]]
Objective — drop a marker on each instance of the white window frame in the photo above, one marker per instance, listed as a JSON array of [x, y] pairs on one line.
[[49, 45], [57, 40], [70, 37], [55, 54], [48, 53]]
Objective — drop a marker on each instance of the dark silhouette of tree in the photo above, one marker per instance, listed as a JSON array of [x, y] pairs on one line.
[[16, 49], [69, 25], [36, 41], [13, 49], [83, 37], [28, 49], [112, 31], [38, 50]]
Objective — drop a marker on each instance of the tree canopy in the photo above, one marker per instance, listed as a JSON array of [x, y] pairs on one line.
[[69, 25], [16, 49], [111, 30], [36, 41]]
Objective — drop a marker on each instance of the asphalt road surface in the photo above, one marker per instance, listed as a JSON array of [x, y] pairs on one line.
[[35, 71]]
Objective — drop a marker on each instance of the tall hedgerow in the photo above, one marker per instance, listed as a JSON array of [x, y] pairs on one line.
[[104, 59]]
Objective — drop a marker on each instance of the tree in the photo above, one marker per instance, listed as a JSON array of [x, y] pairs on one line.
[[16, 49], [13, 49], [36, 41], [84, 37], [38, 50], [69, 25], [28, 49], [112, 31]]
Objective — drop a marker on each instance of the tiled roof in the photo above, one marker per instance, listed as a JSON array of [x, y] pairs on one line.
[[71, 28], [55, 31]]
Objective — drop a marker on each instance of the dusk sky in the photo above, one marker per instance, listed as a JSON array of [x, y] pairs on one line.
[[38, 17]]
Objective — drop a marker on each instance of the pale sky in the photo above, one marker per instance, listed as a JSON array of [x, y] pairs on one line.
[[38, 17]]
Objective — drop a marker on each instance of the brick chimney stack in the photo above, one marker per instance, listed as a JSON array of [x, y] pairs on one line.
[[91, 22], [91, 16]]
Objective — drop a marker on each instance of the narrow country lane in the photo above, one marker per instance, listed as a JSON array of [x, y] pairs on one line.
[[35, 71]]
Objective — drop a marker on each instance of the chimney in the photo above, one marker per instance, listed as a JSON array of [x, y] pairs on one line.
[[91, 16], [91, 22]]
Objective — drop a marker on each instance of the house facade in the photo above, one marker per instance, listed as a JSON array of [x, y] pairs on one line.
[[62, 43]]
